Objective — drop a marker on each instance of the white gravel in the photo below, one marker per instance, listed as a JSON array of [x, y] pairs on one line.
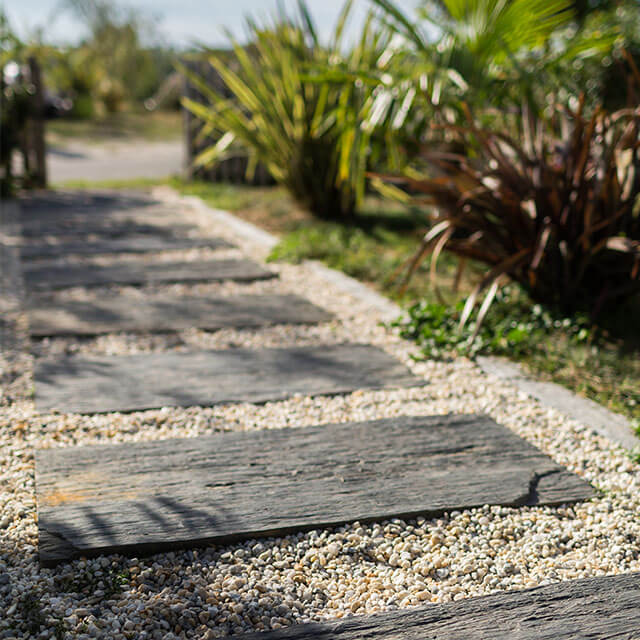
[[356, 569]]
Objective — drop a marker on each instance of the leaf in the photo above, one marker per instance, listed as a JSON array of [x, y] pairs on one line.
[[497, 272], [390, 191], [624, 245], [308, 21], [404, 25], [484, 308]]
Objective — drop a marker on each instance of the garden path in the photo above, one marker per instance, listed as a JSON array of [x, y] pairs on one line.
[[155, 494]]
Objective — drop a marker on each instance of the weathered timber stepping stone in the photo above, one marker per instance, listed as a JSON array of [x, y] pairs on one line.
[[112, 313], [141, 243], [588, 609], [62, 207], [101, 228], [103, 214], [146, 497], [61, 202], [205, 378], [60, 276]]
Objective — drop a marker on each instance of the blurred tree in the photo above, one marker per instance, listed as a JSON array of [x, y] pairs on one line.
[[119, 62], [18, 106]]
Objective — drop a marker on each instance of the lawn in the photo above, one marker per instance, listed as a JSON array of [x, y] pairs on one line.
[[151, 126]]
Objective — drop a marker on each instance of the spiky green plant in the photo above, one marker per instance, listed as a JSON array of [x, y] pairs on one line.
[[558, 212], [299, 108], [495, 52]]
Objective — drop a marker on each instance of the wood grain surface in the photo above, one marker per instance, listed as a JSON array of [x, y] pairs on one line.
[[111, 313], [44, 276], [205, 378], [145, 497]]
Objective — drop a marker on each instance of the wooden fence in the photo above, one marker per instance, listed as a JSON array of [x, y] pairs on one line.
[[230, 170], [24, 122]]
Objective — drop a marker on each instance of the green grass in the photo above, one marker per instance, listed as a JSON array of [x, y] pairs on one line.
[[603, 371], [370, 247], [230, 197], [136, 183], [152, 126], [372, 253]]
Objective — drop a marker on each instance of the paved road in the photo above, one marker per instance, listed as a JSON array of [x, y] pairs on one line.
[[114, 160]]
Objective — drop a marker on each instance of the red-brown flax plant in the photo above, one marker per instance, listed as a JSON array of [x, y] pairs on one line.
[[557, 211]]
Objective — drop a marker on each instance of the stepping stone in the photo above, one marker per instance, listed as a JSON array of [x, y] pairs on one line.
[[99, 214], [588, 609], [206, 378], [60, 202], [140, 243], [113, 313], [102, 228], [60, 276], [139, 498], [64, 206]]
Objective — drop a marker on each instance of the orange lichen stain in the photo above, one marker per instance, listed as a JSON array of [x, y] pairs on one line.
[[56, 498], [85, 487], [59, 497]]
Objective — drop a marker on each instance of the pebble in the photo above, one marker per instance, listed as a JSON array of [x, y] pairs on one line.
[[319, 575]]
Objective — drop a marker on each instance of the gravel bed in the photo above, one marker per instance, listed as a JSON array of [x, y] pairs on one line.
[[324, 574]]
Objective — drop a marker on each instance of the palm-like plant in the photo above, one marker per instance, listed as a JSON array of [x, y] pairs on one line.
[[493, 50], [484, 32], [299, 107]]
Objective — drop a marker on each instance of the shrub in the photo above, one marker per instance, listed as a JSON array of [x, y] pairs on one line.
[[558, 213], [303, 109]]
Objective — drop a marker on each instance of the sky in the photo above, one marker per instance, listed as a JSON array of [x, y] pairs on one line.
[[180, 22]]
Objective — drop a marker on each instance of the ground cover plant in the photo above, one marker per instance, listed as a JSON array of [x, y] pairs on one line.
[[601, 362]]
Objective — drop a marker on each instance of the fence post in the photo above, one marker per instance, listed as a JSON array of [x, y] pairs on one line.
[[35, 137], [187, 125]]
